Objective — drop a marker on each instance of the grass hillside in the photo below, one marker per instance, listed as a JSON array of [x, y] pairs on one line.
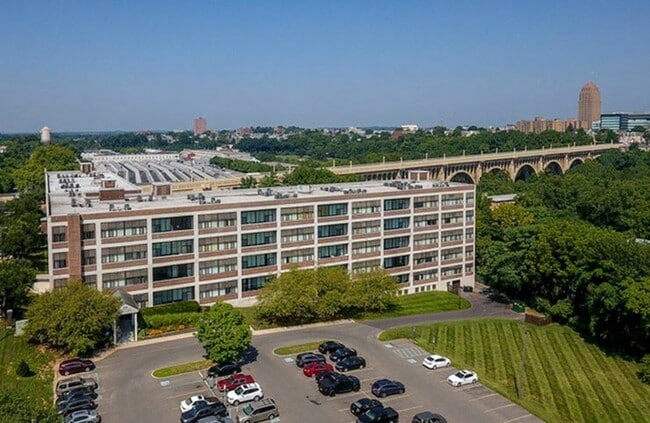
[[564, 378]]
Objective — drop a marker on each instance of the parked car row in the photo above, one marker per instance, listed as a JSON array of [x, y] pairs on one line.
[[76, 395]]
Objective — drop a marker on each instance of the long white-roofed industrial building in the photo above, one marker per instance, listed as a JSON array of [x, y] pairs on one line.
[[162, 246]]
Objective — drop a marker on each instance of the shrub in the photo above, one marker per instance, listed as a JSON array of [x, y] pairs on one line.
[[644, 370], [178, 307], [23, 369], [159, 321]]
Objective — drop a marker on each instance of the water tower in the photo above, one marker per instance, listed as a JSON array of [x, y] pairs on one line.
[[45, 135]]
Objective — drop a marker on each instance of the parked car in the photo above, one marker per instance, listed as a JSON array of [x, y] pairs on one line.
[[338, 384], [325, 374], [224, 369], [76, 383], [362, 405], [329, 347], [434, 361], [258, 411], [74, 405], [350, 363], [75, 365], [462, 377], [428, 417], [215, 419], [315, 368], [83, 416], [189, 403], [245, 393], [302, 359], [379, 415], [76, 395], [203, 409], [233, 381], [342, 353], [384, 387]]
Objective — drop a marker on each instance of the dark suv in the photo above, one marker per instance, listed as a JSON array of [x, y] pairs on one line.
[[75, 365], [302, 359], [384, 387], [224, 369], [379, 415], [203, 409], [428, 417], [338, 384], [342, 353], [329, 347]]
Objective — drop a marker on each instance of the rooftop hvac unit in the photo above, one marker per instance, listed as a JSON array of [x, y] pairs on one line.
[[111, 207], [127, 207], [73, 202]]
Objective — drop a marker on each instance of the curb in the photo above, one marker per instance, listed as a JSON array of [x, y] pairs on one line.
[[300, 327]]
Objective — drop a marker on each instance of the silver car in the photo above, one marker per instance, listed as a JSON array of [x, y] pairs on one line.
[[83, 416], [258, 411]]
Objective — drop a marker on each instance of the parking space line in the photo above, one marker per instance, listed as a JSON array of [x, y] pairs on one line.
[[518, 418], [395, 397], [401, 410], [499, 408], [484, 396]]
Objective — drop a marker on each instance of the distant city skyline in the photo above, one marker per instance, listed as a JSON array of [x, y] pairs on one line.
[[157, 65]]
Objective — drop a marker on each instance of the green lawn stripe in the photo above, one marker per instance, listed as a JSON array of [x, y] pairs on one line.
[[541, 392], [641, 392], [478, 347], [532, 369], [492, 350], [468, 348], [508, 351]]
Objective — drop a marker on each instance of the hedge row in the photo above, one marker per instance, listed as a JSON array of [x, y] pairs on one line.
[[158, 321], [172, 308]]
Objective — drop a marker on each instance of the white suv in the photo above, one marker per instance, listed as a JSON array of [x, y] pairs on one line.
[[248, 392], [434, 361]]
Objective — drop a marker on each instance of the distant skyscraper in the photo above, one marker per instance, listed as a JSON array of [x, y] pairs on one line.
[[589, 105], [201, 125], [45, 135]]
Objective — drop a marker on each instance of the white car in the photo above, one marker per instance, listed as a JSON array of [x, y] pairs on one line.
[[434, 361], [244, 393], [463, 377], [188, 404]]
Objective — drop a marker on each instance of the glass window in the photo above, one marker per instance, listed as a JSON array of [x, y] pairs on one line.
[[217, 243], [257, 216], [168, 224], [297, 235], [217, 220], [290, 214], [452, 271], [130, 277], [426, 220], [453, 217], [90, 280], [425, 239], [88, 257], [429, 274], [366, 247], [298, 256], [366, 207], [172, 248], [452, 254], [88, 231], [371, 226], [397, 204], [366, 266], [173, 272], [452, 199], [397, 242], [426, 202], [173, 295], [327, 210], [426, 257], [399, 261], [218, 266], [258, 238], [258, 260], [452, 236], [333, 251], [60, 260], [252, 284], [326, 231], [218, 289], [397, 223], [58, 234], [123, 228], [120, 254]]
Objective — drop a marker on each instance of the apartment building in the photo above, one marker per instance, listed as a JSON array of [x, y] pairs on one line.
[[224, 245]]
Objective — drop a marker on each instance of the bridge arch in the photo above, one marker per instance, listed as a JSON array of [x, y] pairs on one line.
[[524, 172], [461, 176], [576, 162], [554, 168]]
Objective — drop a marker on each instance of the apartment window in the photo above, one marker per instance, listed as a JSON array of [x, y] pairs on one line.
[[219, 289], [253, 284], [402, 279], [469, 217], [469, 199], [366, 266], [217, 220], [327, 210], [88, 231], [452, 271], [426, 220], [366, 207], [469, 234], [58, 234], [123, 228], [172, 248], [469, 267], [121, 254], [366, 247], [298, 256], [425, 239], [455, 217], [142, 300], [129, 277], [297, 235], [60, 260], [399, 261], [426, 257], [452, 236], [452, 254], [333, 251], [173, 271], [291, 214], [213, 267], [397, 223], [173, 295], [371, 226], [426, 202], [90, 280], [452, 199], [397, 242], [217, 243], [397, 204], [259, 260], [326, 231], [60, 283], [258, 238], [168, 224], [429, 274], [469, 252], [88, 257], [257, 216]]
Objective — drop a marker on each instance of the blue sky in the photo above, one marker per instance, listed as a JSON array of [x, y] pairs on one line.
[[132, 65]]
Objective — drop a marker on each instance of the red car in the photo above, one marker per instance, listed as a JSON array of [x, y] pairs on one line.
[[234, 381], [316, 368], [75, 365]]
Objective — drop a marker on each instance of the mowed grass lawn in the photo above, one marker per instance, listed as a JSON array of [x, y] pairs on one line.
[[406, 305], [565, 379]]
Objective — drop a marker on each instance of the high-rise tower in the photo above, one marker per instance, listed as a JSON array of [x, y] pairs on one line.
[[200, 125], [589, 105]]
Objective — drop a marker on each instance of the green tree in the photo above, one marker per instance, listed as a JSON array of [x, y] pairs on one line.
[[16, 279], [224, 333], [73, 318], [644, 370], [20, 233], [510, 215], [373, 291], [271, 179], [248, 182], [51, 157], [638, 128]]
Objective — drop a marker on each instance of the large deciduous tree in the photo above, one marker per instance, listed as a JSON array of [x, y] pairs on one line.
[[16, 279], [20, 234], [52, 157], [224, 333], [73, 318], [373, 291]]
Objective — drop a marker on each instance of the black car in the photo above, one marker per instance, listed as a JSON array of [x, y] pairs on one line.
[[350, 363], [428, 417], [322, 375], [225, 369], [329, 347], [203, 409], [384, 387], [338, 384], [362, 405], [342, 353], [379, 415], [74, 405], [76, 395], [303, 359]]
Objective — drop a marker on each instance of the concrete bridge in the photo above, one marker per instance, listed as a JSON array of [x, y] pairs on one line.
[[470, 168]]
